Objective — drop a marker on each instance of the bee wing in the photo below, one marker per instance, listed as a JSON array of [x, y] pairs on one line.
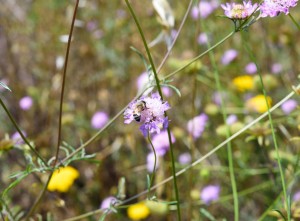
[[165, 12]]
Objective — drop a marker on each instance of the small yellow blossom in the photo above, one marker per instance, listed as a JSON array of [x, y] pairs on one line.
[[258, 103], [62, 179], [138, 211], [243, 83]]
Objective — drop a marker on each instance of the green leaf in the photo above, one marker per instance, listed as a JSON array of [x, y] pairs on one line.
[[280, 213], [141, 56], [5, 86], [173, 87], [207, 214]]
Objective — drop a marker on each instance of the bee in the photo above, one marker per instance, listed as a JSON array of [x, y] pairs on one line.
[[139, 107]]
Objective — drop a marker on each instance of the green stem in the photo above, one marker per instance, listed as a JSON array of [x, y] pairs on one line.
[[21, 133], [154, 166], [294, 21], [273, 131], [160, 93], [229, 148], [42, 193]]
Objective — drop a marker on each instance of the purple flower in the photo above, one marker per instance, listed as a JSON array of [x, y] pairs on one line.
[[229, 56], [107, 202], [16, 137], [150, 162], [196, 126], [276, 68], [251, 68], [288, 106], [231, 119], [161, 143], [91, 25], [210, 193], [99, 119], [195, 12], [273, 8], [207, 7], [185, 158], [239, 11], [296, 196], [202, 39], [150, 112], [25, 103]]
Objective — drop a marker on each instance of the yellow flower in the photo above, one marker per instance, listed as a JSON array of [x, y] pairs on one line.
[[243, 83], [62, 179], [138, 211], [258, 103]]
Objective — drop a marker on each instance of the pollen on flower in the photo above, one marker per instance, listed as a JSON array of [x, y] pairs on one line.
[[150, 112], [62, 179], [239, 11]]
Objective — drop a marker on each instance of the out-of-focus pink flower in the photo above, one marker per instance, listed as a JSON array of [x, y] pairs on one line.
[[276, 68], [99, 119], [296, 196], [271, 8], [25, 103], [150, 162], [202, 39], [91, 25], [229, 56], [195, 12], [288, 106], [206, 8], [231, 119], [161, 143], [197, 125], [210, 193], [107, 202], [251, 68], [16, 137], [185, 158]]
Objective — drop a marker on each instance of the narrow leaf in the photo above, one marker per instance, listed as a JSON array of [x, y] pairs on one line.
[[4, 86]]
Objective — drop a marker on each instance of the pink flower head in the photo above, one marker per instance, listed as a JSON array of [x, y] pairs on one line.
[[296, 196], [108, 202], [150, 112], [273, 8], [202, 39], [185, 158], [150, 162], [195, 12], [251, 68], [197, 125], [210, 193], [99, 119], [161, 143], [231, 119], [239, 11], [207, 7], [288, 106], [276, 68], [229, 56], [16, 137], [25, 103]]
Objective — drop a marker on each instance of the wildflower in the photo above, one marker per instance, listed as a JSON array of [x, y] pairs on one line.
[[202, 39], [231, 119], [258, 103], [239, 11], [229, 56], [243, 83], [161, 143], [107, 202], [196, 125], [273, 8], [207, 7], [288, 106], [296, 196], [151, 115], [150, 162], [251, 68], [16, 137], [62, 179], [25, 103], [276, 68], [210, 193], [138, 211], [99, 119], [185, 158], [195, 12]]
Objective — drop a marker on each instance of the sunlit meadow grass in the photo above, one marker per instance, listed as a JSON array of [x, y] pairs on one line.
[[209, 94]]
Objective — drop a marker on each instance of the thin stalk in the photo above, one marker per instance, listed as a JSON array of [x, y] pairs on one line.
[[215, 149], [294, 21], [229, 147], [160, 93], [21, 133], [273, 131], [42, 193], [155, 159]]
